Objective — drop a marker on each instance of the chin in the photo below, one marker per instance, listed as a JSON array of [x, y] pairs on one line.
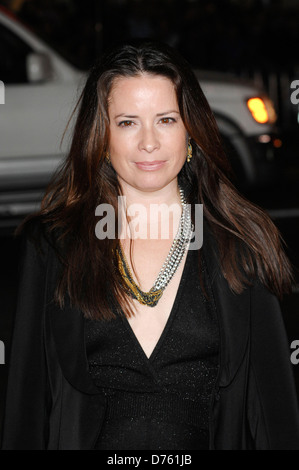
[[150, 186], [148, 183]]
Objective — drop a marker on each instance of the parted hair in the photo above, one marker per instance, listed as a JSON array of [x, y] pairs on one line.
[[249, 244]]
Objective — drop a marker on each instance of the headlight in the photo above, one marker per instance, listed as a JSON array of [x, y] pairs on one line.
[[262, 110]]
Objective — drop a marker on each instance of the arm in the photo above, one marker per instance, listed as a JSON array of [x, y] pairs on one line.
[[272, 376], [25, 414]]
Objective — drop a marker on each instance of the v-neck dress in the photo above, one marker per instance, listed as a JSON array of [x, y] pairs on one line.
[[161, 402]]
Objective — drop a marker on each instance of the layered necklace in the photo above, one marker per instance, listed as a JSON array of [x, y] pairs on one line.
[[173, 259]]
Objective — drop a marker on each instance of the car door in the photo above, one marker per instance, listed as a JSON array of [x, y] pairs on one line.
[[33, 118]]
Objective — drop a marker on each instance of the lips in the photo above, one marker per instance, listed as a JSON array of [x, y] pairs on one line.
[[150, 166]]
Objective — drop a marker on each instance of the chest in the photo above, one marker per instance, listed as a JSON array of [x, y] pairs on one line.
[[187, 331], [149, 322]]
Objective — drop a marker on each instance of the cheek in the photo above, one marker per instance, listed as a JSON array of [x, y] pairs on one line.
[[118, 144], [180, 145], [115, 149]]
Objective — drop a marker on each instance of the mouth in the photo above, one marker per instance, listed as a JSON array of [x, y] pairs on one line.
[[150, 166]]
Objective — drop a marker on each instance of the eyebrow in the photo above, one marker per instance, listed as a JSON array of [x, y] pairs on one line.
[[130, 116]]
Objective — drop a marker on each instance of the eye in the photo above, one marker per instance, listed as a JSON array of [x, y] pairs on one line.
[[167, 120], [125, 124]]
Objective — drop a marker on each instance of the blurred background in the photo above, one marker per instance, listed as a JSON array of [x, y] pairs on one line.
[[246, 56]]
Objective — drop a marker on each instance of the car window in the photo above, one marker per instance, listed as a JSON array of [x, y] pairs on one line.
[[13, 54]]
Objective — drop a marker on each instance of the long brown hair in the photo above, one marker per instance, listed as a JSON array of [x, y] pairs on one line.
[[249, 243]]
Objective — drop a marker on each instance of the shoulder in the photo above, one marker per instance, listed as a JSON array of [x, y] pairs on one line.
[[210, 251], [254, 291], [37, 240]]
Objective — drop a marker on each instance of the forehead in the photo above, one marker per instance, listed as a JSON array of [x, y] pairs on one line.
[[142, 89]]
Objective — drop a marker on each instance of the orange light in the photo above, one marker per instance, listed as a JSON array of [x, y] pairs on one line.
[[277, 143], [258, 110]]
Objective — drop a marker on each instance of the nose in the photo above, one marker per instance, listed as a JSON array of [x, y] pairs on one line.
[[149, 140]]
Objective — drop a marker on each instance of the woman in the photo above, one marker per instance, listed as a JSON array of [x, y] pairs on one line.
[[112, 348]]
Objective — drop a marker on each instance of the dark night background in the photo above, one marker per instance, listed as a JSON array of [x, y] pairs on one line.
[[255, 39], [220, 34]]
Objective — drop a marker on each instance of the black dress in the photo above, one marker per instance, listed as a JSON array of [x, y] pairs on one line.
[[161, 402]]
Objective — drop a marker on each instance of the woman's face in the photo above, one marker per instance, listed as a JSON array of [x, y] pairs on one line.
[[148, 140]]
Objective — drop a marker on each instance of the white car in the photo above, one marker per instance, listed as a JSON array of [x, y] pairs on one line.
[[41, 90]]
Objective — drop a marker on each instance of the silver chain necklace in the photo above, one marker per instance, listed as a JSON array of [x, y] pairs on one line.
[[174, 257]]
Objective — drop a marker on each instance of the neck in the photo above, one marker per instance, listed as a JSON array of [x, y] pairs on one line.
[[153, 212], [166, 195]]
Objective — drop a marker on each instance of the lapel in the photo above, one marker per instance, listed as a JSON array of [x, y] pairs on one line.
[[233, 312], [67, 326]]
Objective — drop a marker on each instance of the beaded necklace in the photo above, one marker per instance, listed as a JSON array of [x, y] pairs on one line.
[[173, 259]]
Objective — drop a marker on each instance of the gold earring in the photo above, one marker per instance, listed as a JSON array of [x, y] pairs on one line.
[[107, 157], [189, 154]]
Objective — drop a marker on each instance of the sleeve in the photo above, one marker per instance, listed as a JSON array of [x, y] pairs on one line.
[[27, 401], [272, 375]]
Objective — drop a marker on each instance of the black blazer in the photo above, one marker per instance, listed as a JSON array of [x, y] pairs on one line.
[[52, 402]]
